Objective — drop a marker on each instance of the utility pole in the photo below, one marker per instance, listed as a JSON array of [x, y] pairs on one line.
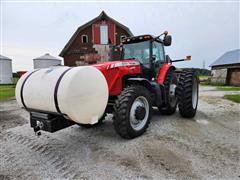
[[204, 63]]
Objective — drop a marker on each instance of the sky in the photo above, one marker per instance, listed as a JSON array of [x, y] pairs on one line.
[[205, 29]]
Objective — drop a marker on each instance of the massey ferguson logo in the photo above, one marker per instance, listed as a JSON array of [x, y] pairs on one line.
[[120, 64]]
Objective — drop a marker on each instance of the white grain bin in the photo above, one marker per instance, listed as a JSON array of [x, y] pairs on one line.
[[5, 70], [81, 93], [46, 61]]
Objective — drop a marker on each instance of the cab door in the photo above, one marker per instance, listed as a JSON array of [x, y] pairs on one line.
[[158, 56]]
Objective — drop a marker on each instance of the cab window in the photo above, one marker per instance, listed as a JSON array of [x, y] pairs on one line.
[[139, 51], [158, 52]]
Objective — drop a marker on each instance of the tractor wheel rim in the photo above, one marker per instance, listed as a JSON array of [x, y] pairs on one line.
[[172, 92], [194, 93], [138, 124], [172, 95]]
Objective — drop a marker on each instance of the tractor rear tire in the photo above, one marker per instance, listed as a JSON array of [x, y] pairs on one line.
[[170, 105], [188, 94], [100, 121], [132, 112]]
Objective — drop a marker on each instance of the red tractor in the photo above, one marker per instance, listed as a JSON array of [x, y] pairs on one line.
[[143, 79], [146, 78]]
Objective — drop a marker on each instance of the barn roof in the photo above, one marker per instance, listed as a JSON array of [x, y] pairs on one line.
[[4, 57], [103, 15], [230, 57], [46, 56]]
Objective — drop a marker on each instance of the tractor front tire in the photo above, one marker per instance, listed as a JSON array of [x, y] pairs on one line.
[[170, 84], [132, 112], [188, 94]]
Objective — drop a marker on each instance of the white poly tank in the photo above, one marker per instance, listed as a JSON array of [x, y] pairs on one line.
[[81, 93]]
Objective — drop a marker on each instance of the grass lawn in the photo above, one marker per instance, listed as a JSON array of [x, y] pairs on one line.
[[222, 87], [228, 88], [211, 84], [233, 97], [204, 78], [7, 91]]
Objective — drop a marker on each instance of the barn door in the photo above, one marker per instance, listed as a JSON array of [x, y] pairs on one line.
[[104, 34]]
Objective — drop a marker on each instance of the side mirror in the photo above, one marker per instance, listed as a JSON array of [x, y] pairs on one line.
[[167, 41]]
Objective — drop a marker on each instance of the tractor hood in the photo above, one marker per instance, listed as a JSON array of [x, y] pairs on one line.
[[115, 71], [116, 64]]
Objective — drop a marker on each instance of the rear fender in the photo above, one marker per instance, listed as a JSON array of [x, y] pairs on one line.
[[141, 81], [163, 72]]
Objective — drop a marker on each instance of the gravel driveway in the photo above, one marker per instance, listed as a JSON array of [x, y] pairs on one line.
[[206, 147]]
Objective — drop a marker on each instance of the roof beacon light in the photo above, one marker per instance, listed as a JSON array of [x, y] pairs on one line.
[[188, 58], [165, 33], [147, 37]]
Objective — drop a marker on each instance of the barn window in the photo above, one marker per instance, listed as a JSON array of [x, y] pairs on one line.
[[122, 38], [104, 34], [84, 38]]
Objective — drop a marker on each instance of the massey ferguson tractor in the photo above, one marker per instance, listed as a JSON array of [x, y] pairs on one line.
[[59, 97]]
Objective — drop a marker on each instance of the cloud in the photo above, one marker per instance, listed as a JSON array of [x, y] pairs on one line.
[[203, 30]]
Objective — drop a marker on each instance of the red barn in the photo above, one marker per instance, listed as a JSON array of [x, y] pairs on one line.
[[92, 41]]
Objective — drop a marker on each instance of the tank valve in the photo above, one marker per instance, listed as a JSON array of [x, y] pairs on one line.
[[37, 128]]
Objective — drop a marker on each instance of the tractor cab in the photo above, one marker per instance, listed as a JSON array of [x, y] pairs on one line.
[[148, 51]]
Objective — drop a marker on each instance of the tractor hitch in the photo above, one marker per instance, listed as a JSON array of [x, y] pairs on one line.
[[37, 129]]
